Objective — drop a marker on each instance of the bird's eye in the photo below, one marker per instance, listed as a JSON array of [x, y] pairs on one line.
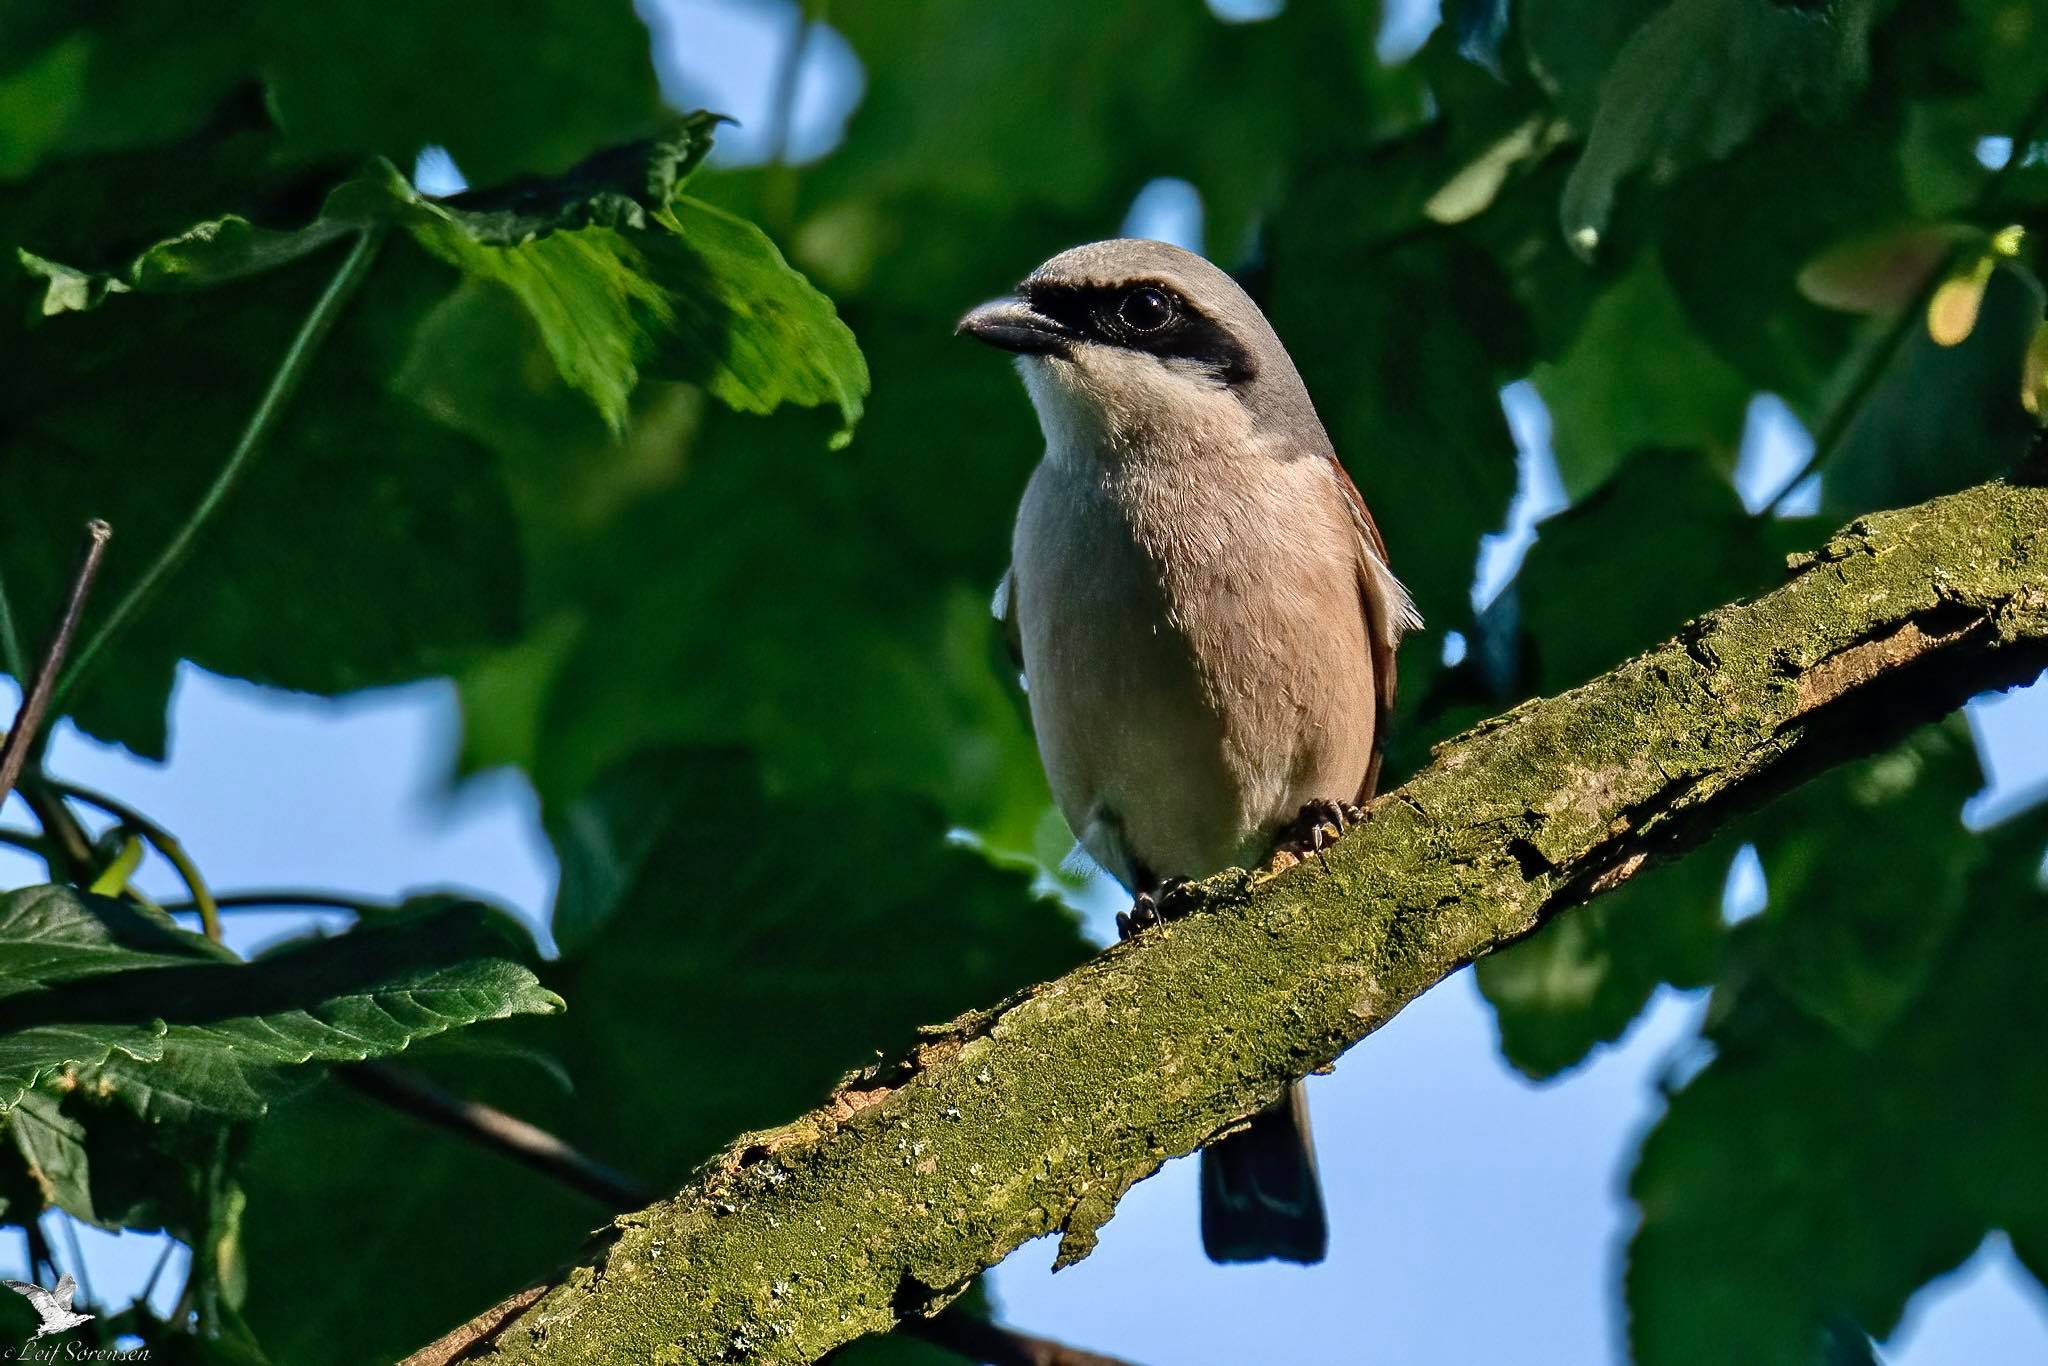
[[1145, 309]]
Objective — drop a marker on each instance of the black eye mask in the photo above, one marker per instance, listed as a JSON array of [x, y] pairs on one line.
[[1147, 316]]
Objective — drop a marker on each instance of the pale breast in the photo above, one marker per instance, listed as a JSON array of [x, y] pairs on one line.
[[1195, 649]]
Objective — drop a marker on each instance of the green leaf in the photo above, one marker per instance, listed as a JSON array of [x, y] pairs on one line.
[[621, 187], [629, 534], [1696, 79], [1975, 73], [568, 77], [53, 1146], [100, 211], [1854, 954], [21, 1199], [702, 296], [462, 1046], [503, 99], [752, 330], [52, 935], [603, 840], [202, 256], [101, 1160], [1571, 47], [29, 1053], [38, 99], [617, 272], [1636, 376], [1803, 1177], [93, 86], [953, 113], [98, 1159], [66, 290], [88, 977], [412, 631], [55, 934], [590, 292], [1582, 980], [1734, 236], [156, 1144]]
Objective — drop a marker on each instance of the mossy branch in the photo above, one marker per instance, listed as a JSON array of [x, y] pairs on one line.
[[1037, 1115]]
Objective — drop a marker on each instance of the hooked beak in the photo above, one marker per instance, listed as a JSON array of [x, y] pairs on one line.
[[1014, 325]]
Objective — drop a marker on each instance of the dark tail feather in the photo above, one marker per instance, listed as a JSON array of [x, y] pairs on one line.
[[1260, 1196]]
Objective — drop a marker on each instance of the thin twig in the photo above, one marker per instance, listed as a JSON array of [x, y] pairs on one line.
[[35, 702], [163, 841], [538, 1150], [78, 1258], [156, 1273], [290, 372], [788, 79], [38, 1248], [67, 837], [285, 901], [188, 871], [38, 845], [457, 1344], [778, 199], [188, 1298], [12, 656], [489, 1127], [1841, 417]]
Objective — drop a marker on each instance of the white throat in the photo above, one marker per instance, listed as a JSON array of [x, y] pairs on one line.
[[1116, 407]]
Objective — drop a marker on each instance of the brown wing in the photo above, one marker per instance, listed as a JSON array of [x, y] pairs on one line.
[[1388, 612]]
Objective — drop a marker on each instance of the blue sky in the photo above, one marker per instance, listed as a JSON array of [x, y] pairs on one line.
[[1444, 1170]]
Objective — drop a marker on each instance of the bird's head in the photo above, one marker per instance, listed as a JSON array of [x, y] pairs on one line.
[[1131, 342]]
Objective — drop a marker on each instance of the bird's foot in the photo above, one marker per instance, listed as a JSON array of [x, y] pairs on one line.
[[1320, 822], [1151, 909]]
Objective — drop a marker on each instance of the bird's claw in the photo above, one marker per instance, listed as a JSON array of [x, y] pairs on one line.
[[1150, 910], [1321, 821]]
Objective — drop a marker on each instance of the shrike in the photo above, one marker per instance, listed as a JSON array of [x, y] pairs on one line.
[[1204, 615]]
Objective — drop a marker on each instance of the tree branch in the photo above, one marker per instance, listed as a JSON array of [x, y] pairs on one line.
[[1036, 1116], [35, 699], [534, 1147]]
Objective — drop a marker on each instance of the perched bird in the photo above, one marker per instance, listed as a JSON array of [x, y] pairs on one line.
[[1204, 616], [53, 1307]]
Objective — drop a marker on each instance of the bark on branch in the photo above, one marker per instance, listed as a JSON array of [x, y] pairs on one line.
[[1037, 1115]]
